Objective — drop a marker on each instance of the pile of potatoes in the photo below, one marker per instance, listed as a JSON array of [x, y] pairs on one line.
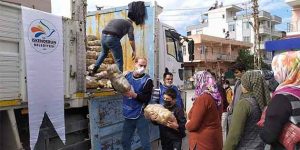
[[100, 79]]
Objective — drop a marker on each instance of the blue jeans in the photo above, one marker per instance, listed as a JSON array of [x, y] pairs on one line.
[[112, 43], [142, 126]]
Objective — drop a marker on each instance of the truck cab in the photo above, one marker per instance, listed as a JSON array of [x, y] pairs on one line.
[[170, 54]]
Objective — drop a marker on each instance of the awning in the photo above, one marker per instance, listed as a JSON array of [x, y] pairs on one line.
[[286, 44]]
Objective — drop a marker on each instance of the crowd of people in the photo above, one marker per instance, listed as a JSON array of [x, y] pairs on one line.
[[249, 115]]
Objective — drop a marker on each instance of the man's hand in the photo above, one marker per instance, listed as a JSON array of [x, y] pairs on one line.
[[127, 94], [153, 116], [130, 93], [173, 124], [133, 55]]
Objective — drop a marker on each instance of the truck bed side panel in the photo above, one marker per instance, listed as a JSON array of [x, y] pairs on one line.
[[10, 68]]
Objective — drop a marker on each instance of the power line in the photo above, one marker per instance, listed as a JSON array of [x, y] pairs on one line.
[[196, 8], [185, 9], [185, 14]]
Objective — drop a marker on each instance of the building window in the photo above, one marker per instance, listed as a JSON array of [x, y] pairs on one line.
[[231, 27], [246, 25], [184, 49], [223, 16], [189, 33], [203, 49], [246, 39]]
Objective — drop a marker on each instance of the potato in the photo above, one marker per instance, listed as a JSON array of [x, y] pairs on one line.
[[91, 37], [91, 82], [163, 114], [102, 75], [94, 43], [89, 62], [94, 48], [92, 54], [102, 83]]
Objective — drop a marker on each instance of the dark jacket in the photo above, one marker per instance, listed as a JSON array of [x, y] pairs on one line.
[[222, 92], [137, 12], [277, 115], [169, 133]]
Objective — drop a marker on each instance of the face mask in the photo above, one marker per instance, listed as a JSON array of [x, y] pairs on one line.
[[140, 70], [225, 86], [168, 104], [168, 84]]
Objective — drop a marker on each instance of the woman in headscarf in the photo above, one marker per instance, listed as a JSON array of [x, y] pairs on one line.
[[285, 102], [204, 123], [243, 132]]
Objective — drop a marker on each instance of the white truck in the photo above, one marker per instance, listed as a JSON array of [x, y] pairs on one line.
[[154, 40]]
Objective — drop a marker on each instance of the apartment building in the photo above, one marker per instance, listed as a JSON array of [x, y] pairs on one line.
[[43, 5], [294, 25], [228, 22], [213, 53]]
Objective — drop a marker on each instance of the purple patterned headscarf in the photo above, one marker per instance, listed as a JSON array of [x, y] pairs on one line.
[[205, 83]]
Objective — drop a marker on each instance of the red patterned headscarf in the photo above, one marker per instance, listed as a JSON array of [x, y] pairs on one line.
[[205, 83]]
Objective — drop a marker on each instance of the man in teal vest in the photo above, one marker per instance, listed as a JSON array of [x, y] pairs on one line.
[[134, 102]]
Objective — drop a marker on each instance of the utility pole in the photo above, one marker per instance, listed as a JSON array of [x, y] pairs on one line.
[[257, 52]]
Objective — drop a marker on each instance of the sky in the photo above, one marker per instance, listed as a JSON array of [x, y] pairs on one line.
[[182, 13]]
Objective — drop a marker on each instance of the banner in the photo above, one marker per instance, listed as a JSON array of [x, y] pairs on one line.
[[43, 43]]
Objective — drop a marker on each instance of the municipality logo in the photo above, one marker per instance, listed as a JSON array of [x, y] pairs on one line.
[[43, 36]]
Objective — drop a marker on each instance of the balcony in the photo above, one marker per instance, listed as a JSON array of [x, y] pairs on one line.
[[264, 15], [228, 58], [233, 18], [276, 33], [276, 19], [293, 3], [218, 57], [264, 30]]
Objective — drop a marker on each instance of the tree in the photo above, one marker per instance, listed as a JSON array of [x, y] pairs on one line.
[[247, 58]]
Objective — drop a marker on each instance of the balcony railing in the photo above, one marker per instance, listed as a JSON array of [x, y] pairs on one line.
[[264, 30], [276, 19], [264, 14], [218, 57]]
